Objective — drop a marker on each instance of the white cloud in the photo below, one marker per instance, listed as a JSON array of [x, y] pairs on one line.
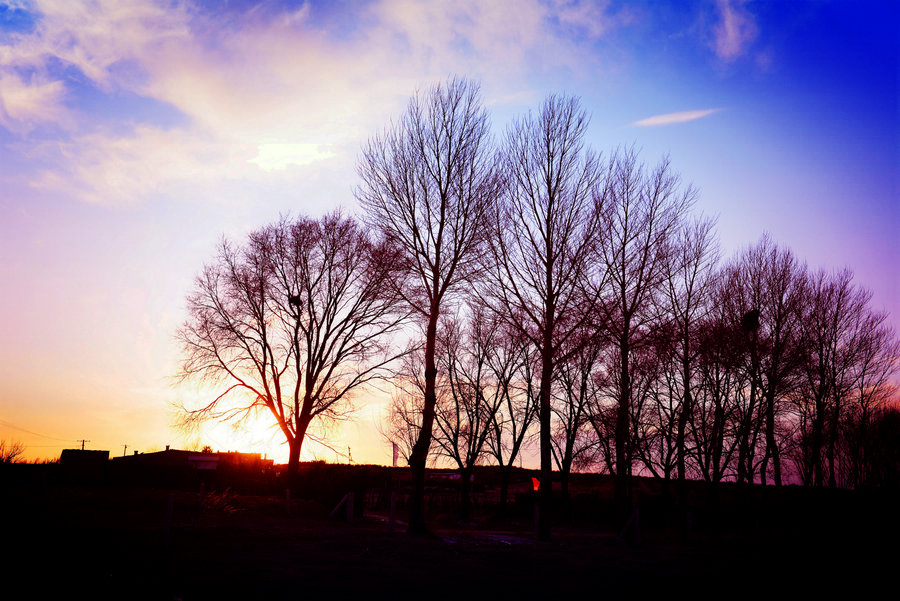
[[735, 30], [496, 39], [25, 104], [106, 168], [95, 35], [592, 18], [260, 91], [672, 118], [274, 157]]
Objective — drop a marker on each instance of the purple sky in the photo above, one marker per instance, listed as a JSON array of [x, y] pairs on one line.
[[133, 135]]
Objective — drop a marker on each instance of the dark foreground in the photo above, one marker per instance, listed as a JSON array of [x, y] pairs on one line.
[[94, 542]]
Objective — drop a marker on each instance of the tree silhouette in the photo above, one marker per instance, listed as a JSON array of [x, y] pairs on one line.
[[513, 364], [644, 209], [686, 300], [10, 451], [291, 322], [842, 340], [426, 184], [541, 278], [470, 395], [766, 294], [714, 420], [576, 391]]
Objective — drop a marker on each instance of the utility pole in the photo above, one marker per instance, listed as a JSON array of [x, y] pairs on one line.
[[82, 441], [125, 450]]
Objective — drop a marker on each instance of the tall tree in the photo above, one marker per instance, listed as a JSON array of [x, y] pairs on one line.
[[839, 335], [824, 302], [775, 293], [291, 322], [544, 230], [688, 270], [645, 207], [738, 298], [427, 182]]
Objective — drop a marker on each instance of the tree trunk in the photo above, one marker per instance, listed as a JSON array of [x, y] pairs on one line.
[[818, 443], [771, 442], [683, 416], [296, 443], [419, 454], [745, 448], [718, 442], [832, 442], [545, 494], [623, 417], [564, 486], [293, 466]]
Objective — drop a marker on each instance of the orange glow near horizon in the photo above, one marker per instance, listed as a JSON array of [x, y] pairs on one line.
[[256, 434]]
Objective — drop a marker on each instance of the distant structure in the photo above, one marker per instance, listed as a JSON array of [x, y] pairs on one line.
[[179, 467], [78, 465], [196, 460]]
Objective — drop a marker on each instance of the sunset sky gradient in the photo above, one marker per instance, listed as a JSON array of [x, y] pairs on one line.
[[134, 134]]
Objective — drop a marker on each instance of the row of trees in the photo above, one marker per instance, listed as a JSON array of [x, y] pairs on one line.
[[539, 288], [719, 391]]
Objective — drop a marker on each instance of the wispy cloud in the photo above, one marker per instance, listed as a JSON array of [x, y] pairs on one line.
[[672, 118], [24, 104], [277, 93], [734, 31]]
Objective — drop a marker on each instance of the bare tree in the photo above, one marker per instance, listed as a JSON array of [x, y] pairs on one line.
[[401, 426], [10, 451], [291, 323], [820, 330], [471, 396], [842, 340], [766, 297], [513, 364], [404, 415], [576, 393], [688, 271], [870, 430], [738, 300], [602, 418], [426, 184], [544, 231], [657, 403], [645, 208], [713, 426]]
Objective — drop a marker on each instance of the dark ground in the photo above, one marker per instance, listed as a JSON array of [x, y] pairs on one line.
[[112, 542]]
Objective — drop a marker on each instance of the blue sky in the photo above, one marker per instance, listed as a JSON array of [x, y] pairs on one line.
[[133, 135]]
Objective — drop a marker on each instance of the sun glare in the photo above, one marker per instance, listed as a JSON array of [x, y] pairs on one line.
[[260, 434], [256, 434]]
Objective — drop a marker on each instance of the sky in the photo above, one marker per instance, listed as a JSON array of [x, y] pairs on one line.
[[134, 135]]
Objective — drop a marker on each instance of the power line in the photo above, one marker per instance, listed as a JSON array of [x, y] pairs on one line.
[[46, 446], [15, 427]]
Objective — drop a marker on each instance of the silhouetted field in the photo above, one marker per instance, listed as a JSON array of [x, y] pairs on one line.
[[109, 541]]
